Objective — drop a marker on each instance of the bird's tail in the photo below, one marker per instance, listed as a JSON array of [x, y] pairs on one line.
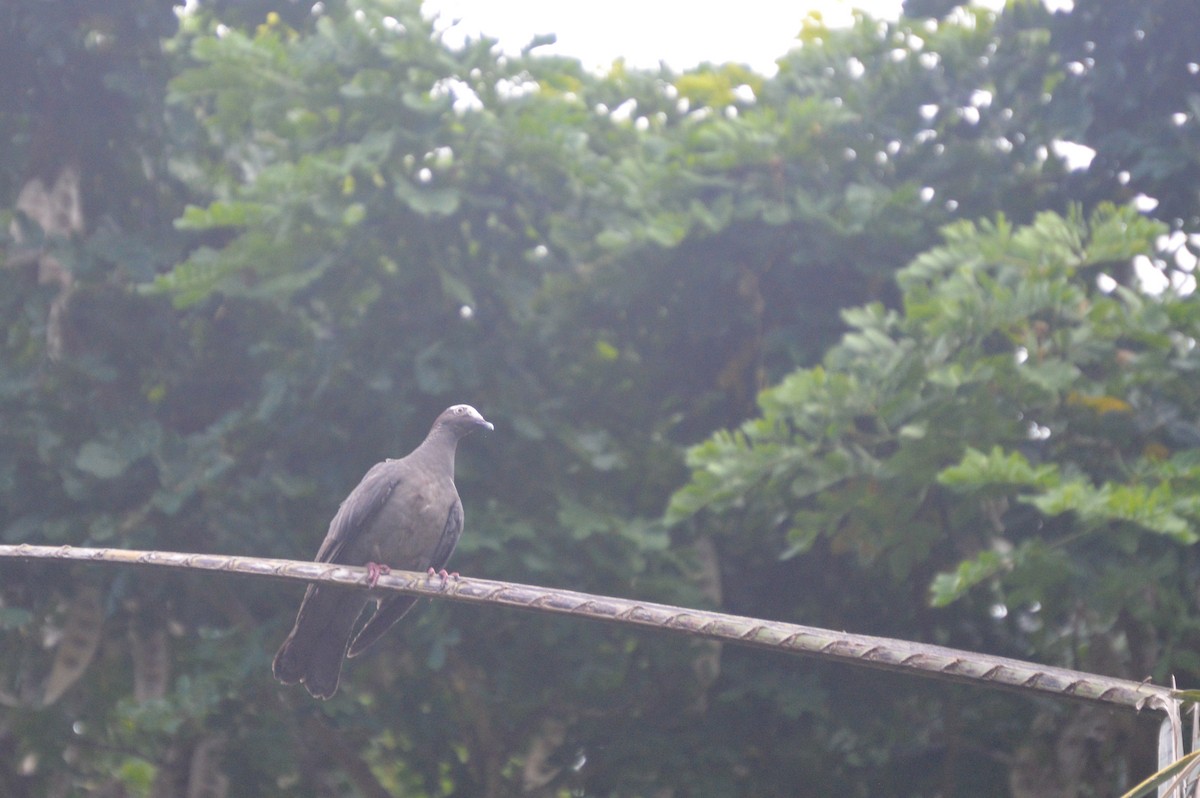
[[319, 666], [314, 650], [324, 669], [289, 664]]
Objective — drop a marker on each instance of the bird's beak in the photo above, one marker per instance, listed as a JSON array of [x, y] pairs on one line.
[[487, 425]]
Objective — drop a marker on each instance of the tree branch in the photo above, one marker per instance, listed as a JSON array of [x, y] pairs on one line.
[[876, 652]]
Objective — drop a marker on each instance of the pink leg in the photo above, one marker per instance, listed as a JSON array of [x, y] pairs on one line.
[[443, 574], [374, 571]]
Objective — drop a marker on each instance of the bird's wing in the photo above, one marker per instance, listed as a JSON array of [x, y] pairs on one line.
[[451, 532], [393, 609], [357, 509]]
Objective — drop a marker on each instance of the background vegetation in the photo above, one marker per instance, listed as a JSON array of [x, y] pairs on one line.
[[851, 346]]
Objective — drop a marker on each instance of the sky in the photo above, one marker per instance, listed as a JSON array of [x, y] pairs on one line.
[[644, 32]]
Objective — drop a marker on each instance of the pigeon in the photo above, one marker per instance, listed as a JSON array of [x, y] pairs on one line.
[[404, 513]]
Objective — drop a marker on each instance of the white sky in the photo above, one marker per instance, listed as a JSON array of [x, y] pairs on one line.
[[683, 34]]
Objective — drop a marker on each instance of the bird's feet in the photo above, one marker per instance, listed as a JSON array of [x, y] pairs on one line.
[[374, 571], [444, 575]]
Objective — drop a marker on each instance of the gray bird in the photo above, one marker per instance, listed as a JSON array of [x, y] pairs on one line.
[[405, 513]]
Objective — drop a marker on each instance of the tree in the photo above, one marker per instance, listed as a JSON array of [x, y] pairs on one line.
[[370, 225]]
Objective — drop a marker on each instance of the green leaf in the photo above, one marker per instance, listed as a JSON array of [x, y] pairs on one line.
[[1167, 775], [997, 468], [354, 214], [220, 214], [427, 201], [947, 588], [189, 465], [14, 617], [1153, 509], [110, 456]]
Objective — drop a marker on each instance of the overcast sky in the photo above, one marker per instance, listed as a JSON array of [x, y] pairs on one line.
[[644, 32], [682, 33]]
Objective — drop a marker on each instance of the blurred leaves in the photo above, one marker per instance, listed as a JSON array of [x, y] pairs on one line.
[[111, 456], [1005, 380], [81, 635], [309, 230]]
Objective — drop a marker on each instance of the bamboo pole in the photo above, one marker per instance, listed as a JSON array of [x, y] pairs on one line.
[[875, 652]]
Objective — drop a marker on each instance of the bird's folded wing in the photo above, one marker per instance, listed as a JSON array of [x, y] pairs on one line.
[[357, 510]]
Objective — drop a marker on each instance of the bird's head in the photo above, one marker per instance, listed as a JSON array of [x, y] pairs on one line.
[[462, 420]]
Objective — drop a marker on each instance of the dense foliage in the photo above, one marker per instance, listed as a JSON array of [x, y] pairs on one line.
[[930, 381]]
